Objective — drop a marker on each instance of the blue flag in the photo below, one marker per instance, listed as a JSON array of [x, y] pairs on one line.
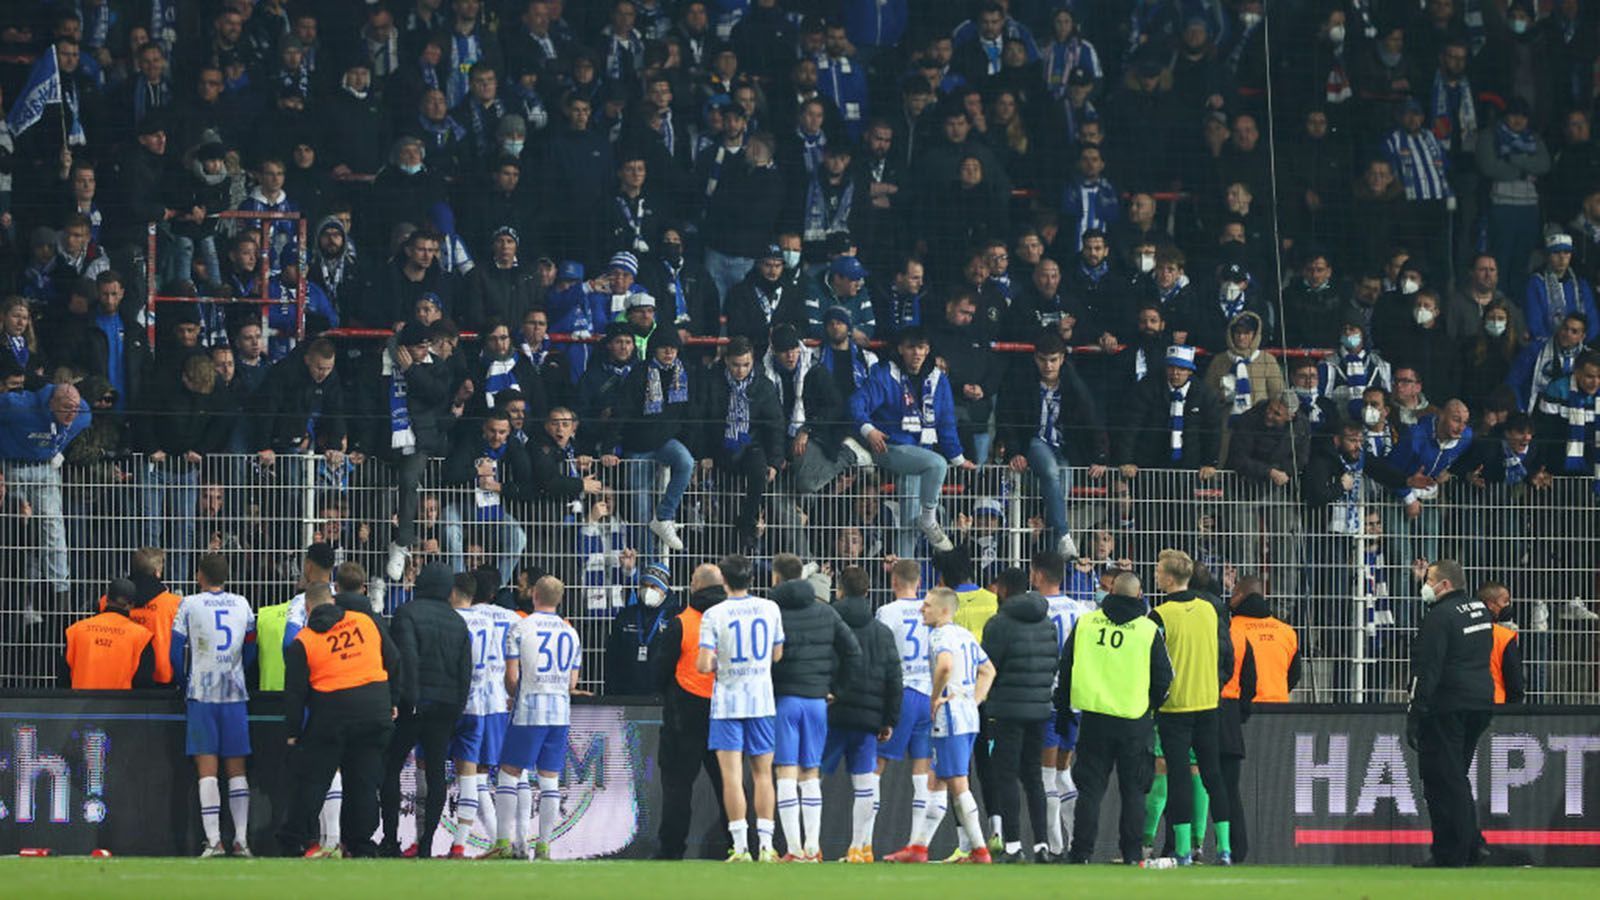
[[43, 89]]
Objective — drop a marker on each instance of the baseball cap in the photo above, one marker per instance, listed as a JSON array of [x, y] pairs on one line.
[[664, 337], [1234, 272], [773, 251], [784, 338], [1182, 357], [507, 231], [640, 300], [1079, 77], [839, 314], [1558, 242], [412, 334], [569, 270], [847, 267]]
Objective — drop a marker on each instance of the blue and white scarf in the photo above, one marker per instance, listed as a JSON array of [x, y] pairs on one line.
[[1308, 405], [676, 392], [1243, 397], [819, 222], [1230, 309], [1516, 465], [680, 303], [537, 357], [1377, 444], [499, 376], [96, 25], [736, 427], [1094, 273], [918, 414], [481, 116], [401, 435], [1563, 293], [1508, 142], [666, 131], [1346, 512], [623, 57], [1454, 106], [489, 505], [442, 133], [714, 170], [19, 349], [1179, 395], [811, 147], [465, 50], [1050, 415], [1580, 416], [905, 310], [791, 384], [768, 302]]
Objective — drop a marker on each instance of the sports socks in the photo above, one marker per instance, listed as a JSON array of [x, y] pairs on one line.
[[332, 807], [524, 829], [971, 822], [1052, 808], [211, 809], [505, 804], [789, 813], [1068, 790], [239, 808], [861, 811], [739, 831], [486, 810], [549, 807], [467, 805], [811, 815], [764, 834], [923, 829]]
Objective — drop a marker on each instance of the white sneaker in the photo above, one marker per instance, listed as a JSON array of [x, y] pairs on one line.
[[1574, 610], [213, 850], [395, 568], [1539, 620], [241, 851], [667, 531], [930, 528], [1067, 547]]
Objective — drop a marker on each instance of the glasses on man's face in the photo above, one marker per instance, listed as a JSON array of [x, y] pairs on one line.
[[563, 421], [1406, 381]]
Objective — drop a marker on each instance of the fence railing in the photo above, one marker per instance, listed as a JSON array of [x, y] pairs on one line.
[[1347, 579]]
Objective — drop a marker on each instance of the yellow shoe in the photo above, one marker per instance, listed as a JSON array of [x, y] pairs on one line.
[[956, 856], [852, 855], [737, 857], [866, 855], [768, 855]]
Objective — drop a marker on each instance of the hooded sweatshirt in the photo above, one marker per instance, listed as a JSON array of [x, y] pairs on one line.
[[1247, 358], [435, 648], [817, 645], [1021, 642], [869, 700], [364, 703]]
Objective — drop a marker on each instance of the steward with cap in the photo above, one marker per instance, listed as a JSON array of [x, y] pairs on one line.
[[109, 651]]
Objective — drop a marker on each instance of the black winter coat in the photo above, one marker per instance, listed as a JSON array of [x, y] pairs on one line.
[[818, 647], [1021, 642], [870, 699], [766, 416], [435, 648]]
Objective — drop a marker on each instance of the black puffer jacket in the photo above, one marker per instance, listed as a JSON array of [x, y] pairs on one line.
[[817, 644], [435, 648], [870, 699], [1021, 643]]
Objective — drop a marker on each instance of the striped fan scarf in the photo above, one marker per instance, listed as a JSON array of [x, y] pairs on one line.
[[500, 376], [1178, 395]]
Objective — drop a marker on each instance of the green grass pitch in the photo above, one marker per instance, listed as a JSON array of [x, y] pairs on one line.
[[287, 879]]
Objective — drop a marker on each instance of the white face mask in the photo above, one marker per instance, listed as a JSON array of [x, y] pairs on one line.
[[1336, 34], [1428, 593], [1371, 415], [653, 597], [791, 259], [1519, 26], [1409, 286], [1423, 315], [1232, 292], [1147, 262], [411, 168], [512, 148], [1352, 342], [1495, 327], [1250, 19]]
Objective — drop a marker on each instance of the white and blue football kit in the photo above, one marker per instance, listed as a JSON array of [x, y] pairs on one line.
[[911, 733], [482, 728], [743, 633], [1064, 612], [215, 627], [956, 725], [548, 653]]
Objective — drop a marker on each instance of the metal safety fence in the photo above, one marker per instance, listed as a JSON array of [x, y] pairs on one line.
[[1346, 576]]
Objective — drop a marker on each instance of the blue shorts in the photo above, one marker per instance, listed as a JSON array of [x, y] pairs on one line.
[[752, 737], [952, 755], [217, 729], [478, 739], [541, 747], [799, 733], [858, 749], [912, 731], [1054, 739]]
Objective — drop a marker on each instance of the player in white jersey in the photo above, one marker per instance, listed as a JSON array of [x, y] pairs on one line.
[[476, 745], [911, 734], [962, 674], [1047, 574], [317, 568], [740, 639], [542, 659], [218, 631]]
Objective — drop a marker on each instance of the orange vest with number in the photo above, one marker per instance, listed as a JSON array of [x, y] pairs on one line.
[[103, 652], [156, 616], [1275, 644], [348, 655], [689, 678], [1503, 636]]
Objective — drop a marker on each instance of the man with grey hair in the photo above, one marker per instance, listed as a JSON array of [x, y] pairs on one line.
[[1111, 653], [1452, 701], [35, 429]]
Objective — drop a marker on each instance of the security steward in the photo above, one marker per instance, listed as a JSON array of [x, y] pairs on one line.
[[1115, 670], [1505, 659], [1266, 667], [1196, 627], [1452, 701], [686, 717], [339, 703], [110, 651]]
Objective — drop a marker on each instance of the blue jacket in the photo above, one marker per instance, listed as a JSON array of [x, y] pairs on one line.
[[1100, 207], [875, 23], [570, 313], [29, 433], [1542, 314], [820, 298], [1535, 368], [879, 404], [1419, 449], [844, 81]]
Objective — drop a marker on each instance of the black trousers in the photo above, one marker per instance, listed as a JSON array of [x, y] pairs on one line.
[[1232, 768], [1107, 744], [685, 730], [982, 766], [1447, 742], [750, 465], [1014, 759], [329, 745], [1180, 733], [431, 725]]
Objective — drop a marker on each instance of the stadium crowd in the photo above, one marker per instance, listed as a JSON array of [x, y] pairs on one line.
[[529, 224]]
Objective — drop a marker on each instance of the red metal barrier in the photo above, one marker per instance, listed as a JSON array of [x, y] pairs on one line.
[[153, 296]]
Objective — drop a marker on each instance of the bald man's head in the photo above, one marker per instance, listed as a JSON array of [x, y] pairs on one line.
[[705, 575], [64, 404]]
